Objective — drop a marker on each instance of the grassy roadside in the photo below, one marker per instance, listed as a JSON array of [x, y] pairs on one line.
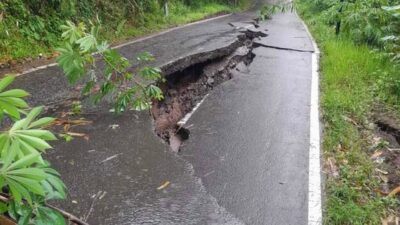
[[15, 47], [350, 88]]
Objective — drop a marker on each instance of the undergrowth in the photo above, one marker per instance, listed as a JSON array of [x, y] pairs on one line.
[[354, 76]]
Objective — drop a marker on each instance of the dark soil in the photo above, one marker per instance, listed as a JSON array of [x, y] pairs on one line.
[[388, 129]]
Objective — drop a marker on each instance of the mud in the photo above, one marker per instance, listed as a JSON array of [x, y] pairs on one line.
[[388, 130], [186, 88]]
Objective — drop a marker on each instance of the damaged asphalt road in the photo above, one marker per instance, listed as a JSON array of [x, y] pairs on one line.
[[246, 159], [250, 138]]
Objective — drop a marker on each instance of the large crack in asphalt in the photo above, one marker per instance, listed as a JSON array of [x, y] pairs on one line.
[[190, 79], [256, 45]]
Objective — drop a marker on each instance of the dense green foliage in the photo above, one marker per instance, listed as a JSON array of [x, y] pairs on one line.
[[31, 27], [268, 10], [26, 180], [375, 23], [359, 70], [364, 21]]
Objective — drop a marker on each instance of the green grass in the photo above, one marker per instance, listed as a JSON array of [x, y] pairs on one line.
[[349, 77], [16, 46], [347, 85]]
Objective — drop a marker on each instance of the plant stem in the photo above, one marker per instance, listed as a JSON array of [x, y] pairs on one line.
[[4, 198]]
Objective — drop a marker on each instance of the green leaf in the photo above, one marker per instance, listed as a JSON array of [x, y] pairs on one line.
[[32, 115], [24, 219], [29, 184], [9, 153], [391, 8], [18, 102], [19, 192], [150, 73], [35, 142], [7, 80], [51, 171], [23, 162], [10, 109], [120, 27], [10, 101], [71, 32], [102, 47], [145, 56], [140, 104], [154, 92], [18, 93], [42, 134], [3, 207], [28, 149], [57, 184], [12, 210], [87, 42], [47, 216], [42, 122], [32, 173], [18, 125], [51, 194], [71, 62], [29, 141]]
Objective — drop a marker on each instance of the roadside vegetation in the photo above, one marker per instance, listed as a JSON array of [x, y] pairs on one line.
[[31, 29], [359, 76], [26, 180]]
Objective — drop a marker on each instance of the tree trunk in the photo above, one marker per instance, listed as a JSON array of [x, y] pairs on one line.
[[166, 10], [339, 21]]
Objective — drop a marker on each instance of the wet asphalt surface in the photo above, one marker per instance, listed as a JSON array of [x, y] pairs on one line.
[[246, 159], [123, 165], [250, 138]]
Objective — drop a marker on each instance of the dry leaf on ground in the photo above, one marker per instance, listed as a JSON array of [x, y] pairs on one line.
[[164, 185]]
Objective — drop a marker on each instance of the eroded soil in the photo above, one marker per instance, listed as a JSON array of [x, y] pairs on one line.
[[388, 156], [184, 89]]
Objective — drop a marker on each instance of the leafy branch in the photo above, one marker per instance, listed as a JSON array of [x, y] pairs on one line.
[[25, 177], [79, 56]]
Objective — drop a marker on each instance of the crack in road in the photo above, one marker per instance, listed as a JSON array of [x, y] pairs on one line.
[[256, 45], [185, 88]]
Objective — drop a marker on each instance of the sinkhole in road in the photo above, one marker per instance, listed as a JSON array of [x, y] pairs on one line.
[[184, 89]]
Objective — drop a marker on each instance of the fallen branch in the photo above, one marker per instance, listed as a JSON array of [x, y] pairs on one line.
[[68, 215], [65, 214], [394, 192]]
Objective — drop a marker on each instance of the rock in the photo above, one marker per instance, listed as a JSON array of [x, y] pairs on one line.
[[242, 67], [210, 81], [173, 92]]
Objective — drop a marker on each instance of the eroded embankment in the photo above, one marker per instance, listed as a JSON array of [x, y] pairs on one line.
[[386, 154], [187, 87]]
